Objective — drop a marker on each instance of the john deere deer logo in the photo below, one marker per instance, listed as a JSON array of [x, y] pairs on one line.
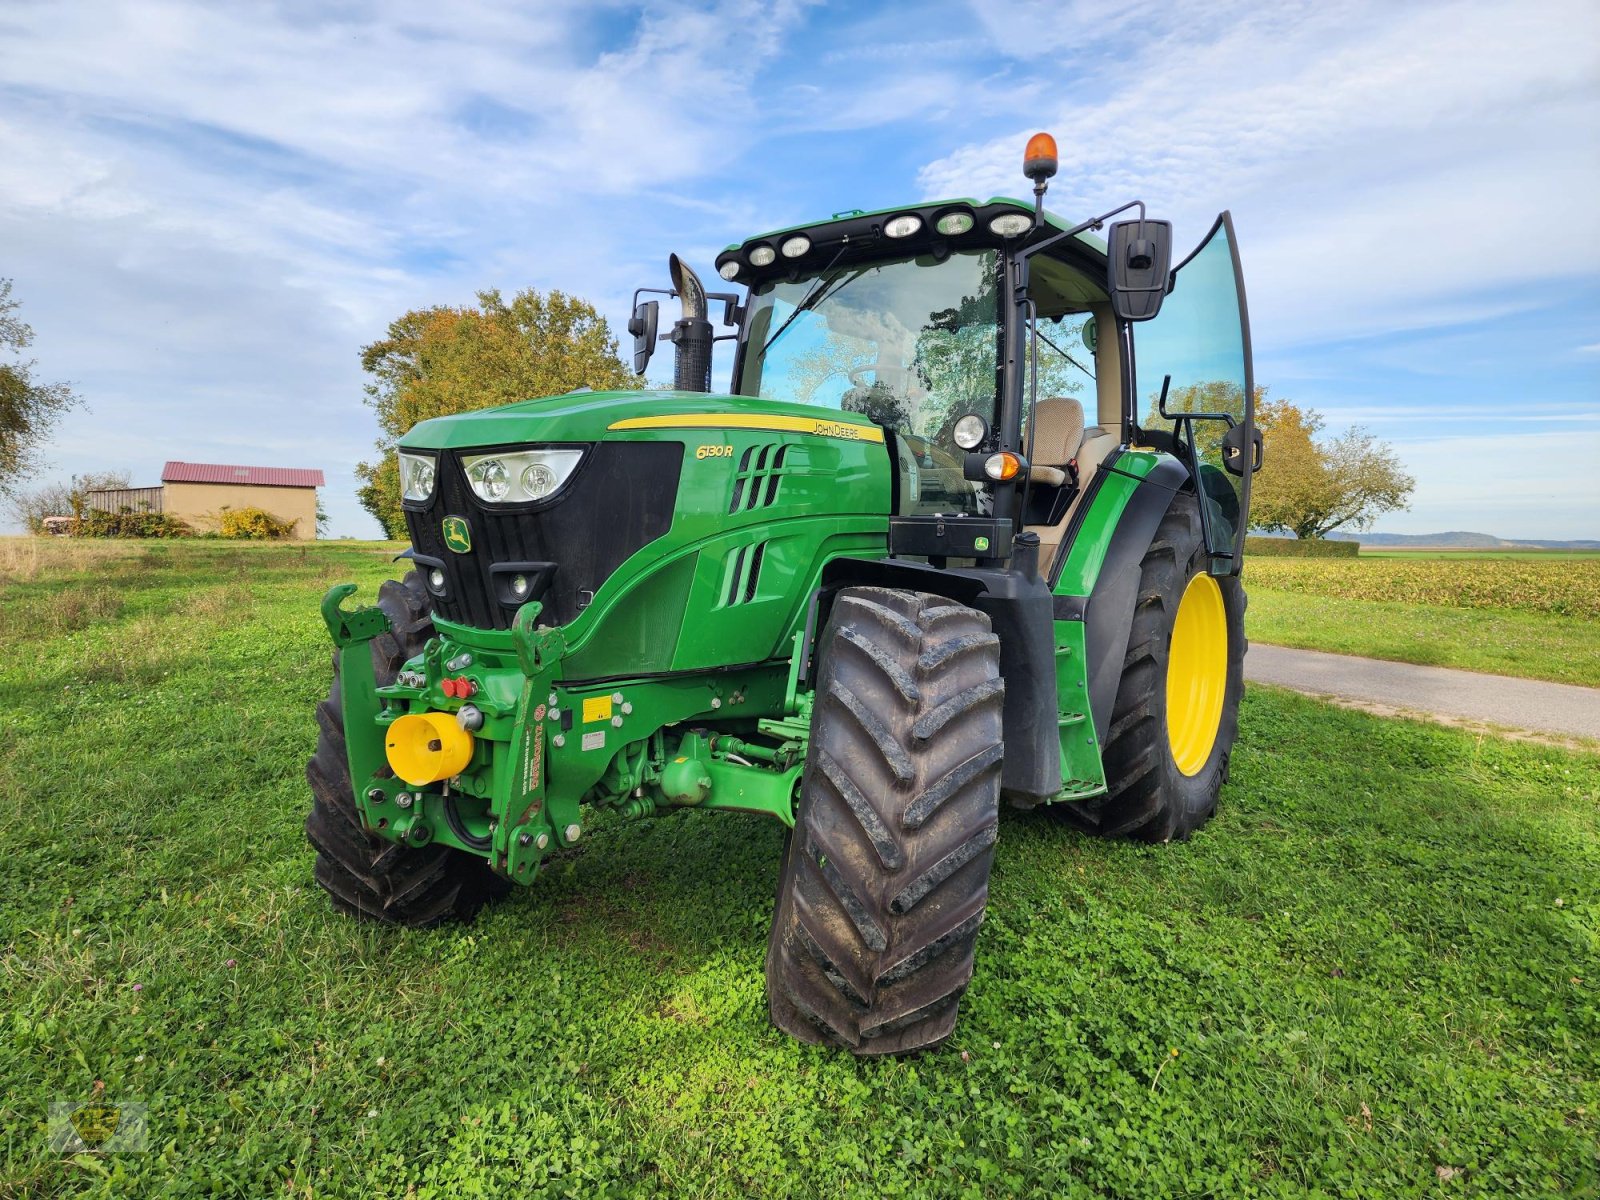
[[457, 535]]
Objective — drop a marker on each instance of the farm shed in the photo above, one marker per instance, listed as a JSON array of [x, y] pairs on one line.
[[199, 492]]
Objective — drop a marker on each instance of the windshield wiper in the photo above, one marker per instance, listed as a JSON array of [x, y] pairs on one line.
[[811, 299]]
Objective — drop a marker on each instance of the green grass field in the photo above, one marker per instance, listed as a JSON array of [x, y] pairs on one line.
[[1376, 973], [1533, 614]]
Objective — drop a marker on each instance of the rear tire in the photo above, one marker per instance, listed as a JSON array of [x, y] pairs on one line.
[[366, 876], [886, 876], [1155, 734]]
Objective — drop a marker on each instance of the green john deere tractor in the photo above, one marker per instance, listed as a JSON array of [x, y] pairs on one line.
[[931, 551]]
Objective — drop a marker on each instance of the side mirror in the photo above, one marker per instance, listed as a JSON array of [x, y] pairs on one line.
[[1139, 267], [643, 327]]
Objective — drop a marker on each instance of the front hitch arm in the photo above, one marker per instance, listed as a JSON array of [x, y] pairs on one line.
[[359, 706], [348, 627]]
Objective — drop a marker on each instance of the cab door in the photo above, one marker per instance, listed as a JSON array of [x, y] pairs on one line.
[[1194, 378]]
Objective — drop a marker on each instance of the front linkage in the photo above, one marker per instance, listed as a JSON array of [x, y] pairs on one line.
[[479, 745]]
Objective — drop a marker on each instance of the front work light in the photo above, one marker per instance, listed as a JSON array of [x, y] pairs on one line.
[[729, 270], [1010, 224], [520, 476], [796, 246], [953, 224], [762, 256], [416, 476], [904, 226]]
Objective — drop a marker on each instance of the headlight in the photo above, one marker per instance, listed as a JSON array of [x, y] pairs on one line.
[[903, 226], [520, 476], [796, 246], [729, 270], [762, 256], [416, 476]]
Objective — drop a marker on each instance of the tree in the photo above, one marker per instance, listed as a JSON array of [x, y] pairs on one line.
[[28, 409], [64, 499], [439, 361], [1311, 486], [1306, 486]]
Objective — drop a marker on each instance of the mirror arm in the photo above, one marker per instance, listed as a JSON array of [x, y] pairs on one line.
[[667, 292], [1027, 252]]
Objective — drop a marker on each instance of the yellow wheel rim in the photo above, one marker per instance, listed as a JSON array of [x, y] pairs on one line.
[[1197, 674]]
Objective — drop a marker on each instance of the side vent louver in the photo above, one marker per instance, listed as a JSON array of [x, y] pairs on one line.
[[742, 574], [756, 483]]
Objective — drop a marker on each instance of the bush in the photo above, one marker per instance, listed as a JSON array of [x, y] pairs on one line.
[[254, 524], [130, 525], [1286, 547]]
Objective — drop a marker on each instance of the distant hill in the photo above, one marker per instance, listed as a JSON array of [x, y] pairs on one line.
[[1460, 540]]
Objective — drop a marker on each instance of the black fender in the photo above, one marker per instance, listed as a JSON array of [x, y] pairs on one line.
[[1019, 606], [1107, 612]]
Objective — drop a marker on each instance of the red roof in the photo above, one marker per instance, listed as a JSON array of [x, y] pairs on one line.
[[186, 472]]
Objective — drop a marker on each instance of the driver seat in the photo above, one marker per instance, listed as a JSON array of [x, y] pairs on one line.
[[1064, 449]]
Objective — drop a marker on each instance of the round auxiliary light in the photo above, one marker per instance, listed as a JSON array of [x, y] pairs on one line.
[[729, 270], [900, 227], [796, 246], [762, 256], [954, 223], [538, 481], [1003, 466], [519, 585], [970, 431], [436, 579], [490, 479], [1010, 224]]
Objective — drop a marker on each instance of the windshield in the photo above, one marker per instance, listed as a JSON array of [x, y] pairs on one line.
[[912, 344]]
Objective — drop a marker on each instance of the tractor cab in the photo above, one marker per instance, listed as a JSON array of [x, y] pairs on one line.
[[996, 347]]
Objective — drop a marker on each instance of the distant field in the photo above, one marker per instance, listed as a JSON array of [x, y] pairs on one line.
[[1391, 552], [1532, 615], [1568, 587], [1374, 974]]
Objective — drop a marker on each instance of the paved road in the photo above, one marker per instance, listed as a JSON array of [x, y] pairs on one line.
[[1557, 709]]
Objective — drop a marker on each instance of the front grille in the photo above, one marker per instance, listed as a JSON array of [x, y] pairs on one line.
[[622, 498]]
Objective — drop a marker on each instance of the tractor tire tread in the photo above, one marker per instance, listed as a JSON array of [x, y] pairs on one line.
[[886, 874]]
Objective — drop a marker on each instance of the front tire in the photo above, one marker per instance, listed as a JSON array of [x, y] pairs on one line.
[[1176, 713], [886, 876], [366, 876]]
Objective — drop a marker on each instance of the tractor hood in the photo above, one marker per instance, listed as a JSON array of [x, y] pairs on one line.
[[600, 416]]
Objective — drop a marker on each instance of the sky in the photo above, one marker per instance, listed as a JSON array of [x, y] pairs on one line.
[[207, 209]]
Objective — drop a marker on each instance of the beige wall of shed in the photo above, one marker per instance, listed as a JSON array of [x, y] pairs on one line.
[[201, 504]]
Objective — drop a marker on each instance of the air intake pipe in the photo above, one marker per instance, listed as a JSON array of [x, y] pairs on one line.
[[691, 333]]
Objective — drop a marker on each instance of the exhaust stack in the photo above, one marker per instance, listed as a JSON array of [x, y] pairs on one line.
[[691, 333]]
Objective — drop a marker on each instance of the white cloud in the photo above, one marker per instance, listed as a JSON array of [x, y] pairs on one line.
[[208, 209], [1386, 165]]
